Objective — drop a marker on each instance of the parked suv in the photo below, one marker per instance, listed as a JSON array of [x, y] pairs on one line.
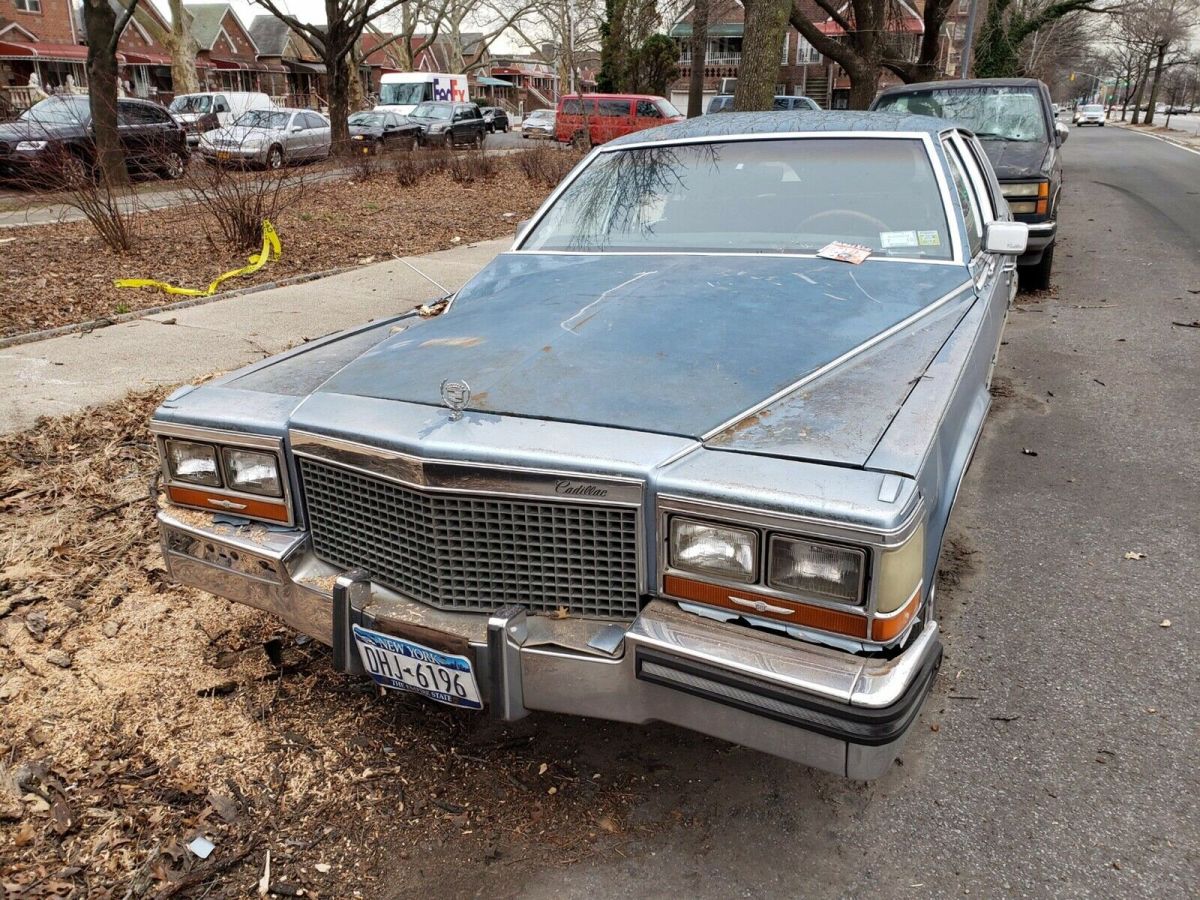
[[1014, 120], [58, 131], [595, 118], [446, 124]]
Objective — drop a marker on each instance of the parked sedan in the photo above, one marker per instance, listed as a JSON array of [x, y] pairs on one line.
[[539, 124], [449, 124], [269, 137], [495, 118], [670, 458], [57, 132], [374, 132]]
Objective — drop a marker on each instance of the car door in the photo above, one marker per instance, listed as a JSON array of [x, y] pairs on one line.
[[648, 115], [322, 135], [135, 132]]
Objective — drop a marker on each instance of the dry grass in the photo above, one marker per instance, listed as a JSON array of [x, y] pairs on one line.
[[171, 721]]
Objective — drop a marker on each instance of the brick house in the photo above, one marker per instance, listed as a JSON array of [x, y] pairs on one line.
[[42, 38], [802, 70], [228, 57]]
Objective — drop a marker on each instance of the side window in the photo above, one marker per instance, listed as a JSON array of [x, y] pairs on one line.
[[572, 107], [314, 121], [614, 108], [987, 207], [965, 194], [220, 104], [136, 114], [647, 110], [297, 121]]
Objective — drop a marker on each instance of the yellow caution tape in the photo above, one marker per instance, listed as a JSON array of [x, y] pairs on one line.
[[271, 248]]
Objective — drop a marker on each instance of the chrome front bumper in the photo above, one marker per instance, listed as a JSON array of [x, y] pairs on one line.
[[821, 707]]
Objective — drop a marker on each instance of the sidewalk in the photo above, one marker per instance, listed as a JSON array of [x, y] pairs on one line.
[[66, 374]]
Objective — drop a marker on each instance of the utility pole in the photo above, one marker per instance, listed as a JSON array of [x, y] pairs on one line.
[[970, 39]]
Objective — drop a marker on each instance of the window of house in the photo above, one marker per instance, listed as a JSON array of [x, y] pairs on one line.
[[784, 61], [805, 52], [33, 6], [964, 6]]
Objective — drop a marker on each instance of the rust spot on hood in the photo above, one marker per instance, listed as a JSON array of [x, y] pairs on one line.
[[748, 422]]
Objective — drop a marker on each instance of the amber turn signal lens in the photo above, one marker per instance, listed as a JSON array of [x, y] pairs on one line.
[[884, 630], [236, 506], [766, 607], [1043, 203]]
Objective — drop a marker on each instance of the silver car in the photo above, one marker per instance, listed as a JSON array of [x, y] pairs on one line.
[[538, 124], [685, 453], [1090, 114], [269, 137]]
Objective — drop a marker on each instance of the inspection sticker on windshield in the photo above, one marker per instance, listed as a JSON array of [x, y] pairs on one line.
[[406, 666], [889, 239], [843, 252], [929, 239]]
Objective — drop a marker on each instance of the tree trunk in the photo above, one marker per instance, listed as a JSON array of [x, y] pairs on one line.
[[1158, 67], [338, 106], [100, 23], [766, 23], [1137, 98], [183, 47], [356, 97], [699, 43]]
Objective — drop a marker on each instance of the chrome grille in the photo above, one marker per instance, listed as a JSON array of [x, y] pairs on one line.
[[474, 551]]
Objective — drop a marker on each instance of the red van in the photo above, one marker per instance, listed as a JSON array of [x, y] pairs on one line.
[[595, 118]]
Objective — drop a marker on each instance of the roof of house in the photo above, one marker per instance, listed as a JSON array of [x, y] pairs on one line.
[[783, 122], [270, 35], [206, 22]]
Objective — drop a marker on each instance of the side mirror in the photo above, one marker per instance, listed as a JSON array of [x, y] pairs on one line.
[[1062, 132], [1006, 238], [296, 128]]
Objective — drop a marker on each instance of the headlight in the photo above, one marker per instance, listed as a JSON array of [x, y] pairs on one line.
[[30, 146], [815, 569], [252, 143], [193, 463], [357, 137], [714, 549], [1022, 206], [1022, 189], [438, 128], [253, 471]]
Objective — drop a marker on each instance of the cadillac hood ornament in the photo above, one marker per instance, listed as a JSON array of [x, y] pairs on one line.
[[456, 395]]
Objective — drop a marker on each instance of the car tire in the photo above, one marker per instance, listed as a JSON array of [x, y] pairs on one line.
[[174, 165], [1037, 278], [275, 158], [477, 143]]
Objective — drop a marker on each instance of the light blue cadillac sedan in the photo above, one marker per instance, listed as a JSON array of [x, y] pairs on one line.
[[685, 453]]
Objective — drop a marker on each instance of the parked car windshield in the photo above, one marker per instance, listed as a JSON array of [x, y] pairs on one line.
[[263, 118], [406, 94], [58, 111], [539, 114], [995, 113], [761, 196], [366, 119], [191, 103], [432, 111]]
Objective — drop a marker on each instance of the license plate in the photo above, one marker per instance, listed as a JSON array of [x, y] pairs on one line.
[[366, 151], [404, 666], [223, 154]]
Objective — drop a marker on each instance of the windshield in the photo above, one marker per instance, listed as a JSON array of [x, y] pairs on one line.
[[1092, 108], [263, 118], [997, 113], [191, 103], [366, 119], [432, 111], [762, 196], [538, 114], [57, 111], [409, 93]]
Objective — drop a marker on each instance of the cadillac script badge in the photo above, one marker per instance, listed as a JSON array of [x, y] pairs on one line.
[[456, 395]]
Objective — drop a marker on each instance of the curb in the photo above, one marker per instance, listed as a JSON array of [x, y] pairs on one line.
[[1190, 148], [31, 337]]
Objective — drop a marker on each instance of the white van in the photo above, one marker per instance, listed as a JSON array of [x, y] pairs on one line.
[[400, 92], [206, 111]]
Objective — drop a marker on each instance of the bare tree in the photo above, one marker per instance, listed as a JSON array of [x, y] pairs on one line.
[[334, 42], [1170, 23], [103, 29], [178, 41], [1009, 22], [699, 47], [572, 27]]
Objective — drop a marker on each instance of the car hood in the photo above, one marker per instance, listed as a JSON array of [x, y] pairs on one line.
[[372, 130], [1016, 159], [37, 131], [674, 344]]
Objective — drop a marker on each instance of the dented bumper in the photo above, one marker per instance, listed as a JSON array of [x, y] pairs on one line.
[[821, 707]]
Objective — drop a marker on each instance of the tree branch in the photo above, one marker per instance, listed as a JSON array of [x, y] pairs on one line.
[[120, 26]]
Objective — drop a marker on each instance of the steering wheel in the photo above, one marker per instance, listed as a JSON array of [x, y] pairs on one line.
[[879, 224]]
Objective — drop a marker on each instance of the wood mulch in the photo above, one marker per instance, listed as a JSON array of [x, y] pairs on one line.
[[62, 274]]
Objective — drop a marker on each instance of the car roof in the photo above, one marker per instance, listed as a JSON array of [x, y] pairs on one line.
[[785, 122], [960, 83], [612, 96]]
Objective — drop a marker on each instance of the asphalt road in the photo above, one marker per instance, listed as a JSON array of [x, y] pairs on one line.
[[1056, 756]]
